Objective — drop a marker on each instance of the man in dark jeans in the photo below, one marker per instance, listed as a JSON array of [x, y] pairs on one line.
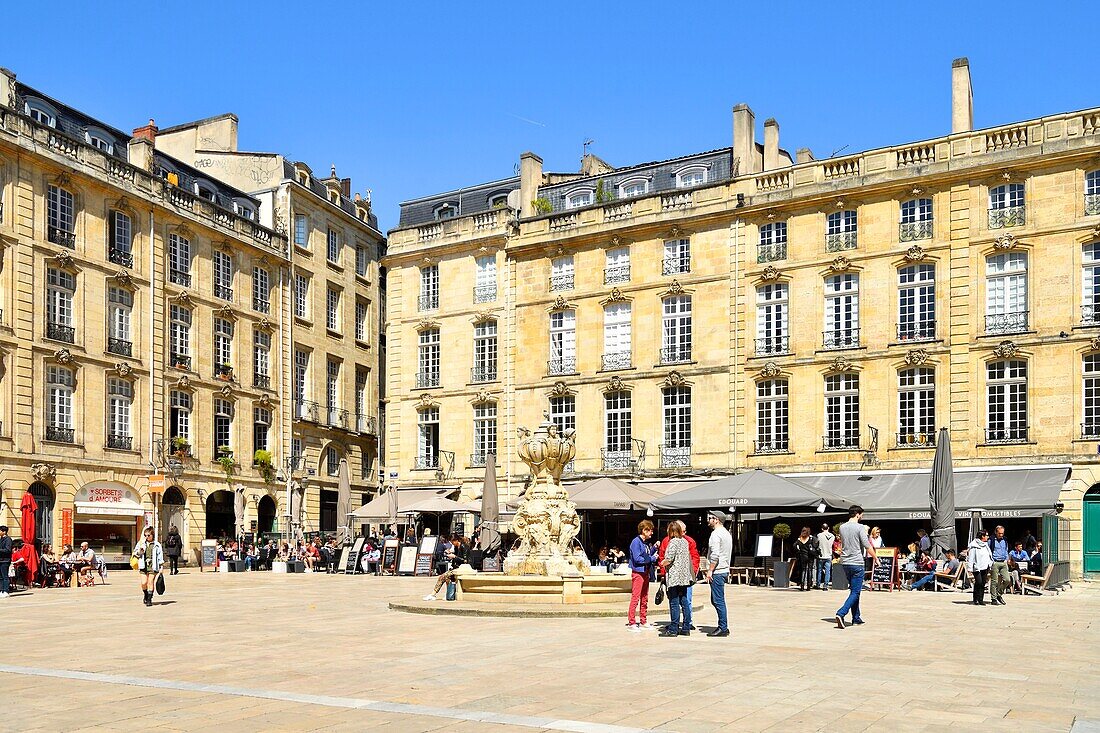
[[5, 561], [854, 545]]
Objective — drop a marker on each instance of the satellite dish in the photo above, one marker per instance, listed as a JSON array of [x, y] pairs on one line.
[[513, 200]]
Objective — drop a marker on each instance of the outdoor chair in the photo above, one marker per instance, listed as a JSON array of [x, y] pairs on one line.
[[743, 568], [949, 581], [1037, 584]]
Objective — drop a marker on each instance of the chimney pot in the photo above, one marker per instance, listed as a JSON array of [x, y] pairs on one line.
[[147, 132], [530, 178], [962, 96], [744, 140], [771, 145]]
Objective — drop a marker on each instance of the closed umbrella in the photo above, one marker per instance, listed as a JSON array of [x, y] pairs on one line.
[[941, 497], [489, 538], [343, 498], [391, 496], [28, 506], [239, 509]]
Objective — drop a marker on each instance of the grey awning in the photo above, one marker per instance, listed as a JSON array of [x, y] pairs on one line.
[[378, 508], [752, 491], [1005, 491]]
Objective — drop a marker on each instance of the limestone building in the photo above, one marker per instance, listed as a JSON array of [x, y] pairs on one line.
[[746, 308]]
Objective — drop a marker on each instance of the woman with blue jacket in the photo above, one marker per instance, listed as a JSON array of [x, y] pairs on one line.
[[643, 554]]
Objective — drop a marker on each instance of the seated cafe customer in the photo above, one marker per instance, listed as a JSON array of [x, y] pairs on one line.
[[947, 567], [1018, 560]]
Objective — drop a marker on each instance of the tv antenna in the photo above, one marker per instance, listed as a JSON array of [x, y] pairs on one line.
[[586, 145]]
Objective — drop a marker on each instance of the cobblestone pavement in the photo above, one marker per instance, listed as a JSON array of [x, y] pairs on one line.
[[251, 652]]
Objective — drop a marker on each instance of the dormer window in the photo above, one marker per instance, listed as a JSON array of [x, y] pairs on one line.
[[244, 209], [633, 187], [579, 198], [498, 201], [694, 175], [41, 112], [303, 179], [446, 211], [100, 139], [334, 197], [206, 190]]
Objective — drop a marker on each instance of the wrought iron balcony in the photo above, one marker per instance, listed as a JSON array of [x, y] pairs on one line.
[[617, 360], [223, 371], [261, 305], [425, 380], [773, 345], [767, 447], [840, 241], [1092, 204], [678, 354], [121, 257], [845, 440], [1009, 216], [1090, 315], [59, 434], [562, 365], [337, 418], [122, 347], [1090, 430], [997, 323], [307, 410], [917, 331], [120, 442], [179, 277], [913, 231], [423, 463], [62, 236], [771, 252], [222, 452], [427, 302], [180, 361], [617, 460], [676, 265], [1010, 434], [561, 282], [366, 424], [915, 440], [223, 292], [616, 274], [485, 293], [676, 456], [60, 332], [261, 381], [477, 459], [483, 373], [840, 338]]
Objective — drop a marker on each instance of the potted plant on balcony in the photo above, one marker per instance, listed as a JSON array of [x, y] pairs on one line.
[[602, 194], [180, 362], [225, 372], [180, 447], [225, 460], [262, 461]]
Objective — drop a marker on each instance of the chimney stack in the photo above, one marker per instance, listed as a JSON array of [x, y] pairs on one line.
[[149, 132], [771, 145], [7, 88], [530, 178], [744, 139], [962, 97], [345, 187], [803, 155]]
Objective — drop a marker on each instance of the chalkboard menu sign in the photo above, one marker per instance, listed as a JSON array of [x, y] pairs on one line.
[[209, 554], [389, 556], [351, 559], [885, 573], [423, 564], [491, 564]]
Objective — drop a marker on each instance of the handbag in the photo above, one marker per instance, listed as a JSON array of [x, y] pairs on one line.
[[160, 584], [133, 562], [659, 598]]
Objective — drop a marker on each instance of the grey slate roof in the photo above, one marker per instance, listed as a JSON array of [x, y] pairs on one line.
[[470, 200]]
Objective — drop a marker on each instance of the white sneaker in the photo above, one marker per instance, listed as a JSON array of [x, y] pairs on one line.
[[648, 625], [636, 628], [3, 595], [429, 597]]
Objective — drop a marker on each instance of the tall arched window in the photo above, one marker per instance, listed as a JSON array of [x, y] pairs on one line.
[[43, 516], [1006, 206], [676, 448], [1006, 293], [1092, 193], [1006, 402], [772, 417], [617, 452], [916, 407], [841, 412], [676, 328], [916, 220], [917, 303], [841, 311]]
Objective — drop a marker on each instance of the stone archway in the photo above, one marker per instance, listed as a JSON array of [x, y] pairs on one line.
[[265, 515], [220, 520], [173, 512]]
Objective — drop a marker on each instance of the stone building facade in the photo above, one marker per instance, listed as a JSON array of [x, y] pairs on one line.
[[746, 308]]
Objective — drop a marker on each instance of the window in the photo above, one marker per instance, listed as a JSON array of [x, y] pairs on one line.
[[616, 336], [179, 334], [60, 217], [840, 231], [917, 303], [561, 273], [361, 412], [1006, 206], [485, 352], [223, 275], [261, 290], [916, 220], [332, 310], [223, 347], [676, 449], [1090, 284], [261, 426], [692, 176], [120, 304], [244, 209], [429, 288], [41, 112], [633, 187], [772, 328], [60, 292], [301, 377], [120, 398], [362, 311], [841, 312], [59, 404], [362, 260], [427, 445], [617, 453], [616, 265], [179, 260], [1006, 293], [563, 342], [223, 428], [301, 296], [261, 359], [563, 412], [301, 231], [120, 249], [1092, 193], [333, 246], [297, 451], [485, 286], [677, 257], [179, 428], [916, 407], [577, 199], [485, 432], [206, 190], [100, 140], [676, 329], [773, 242], [1006, 403], [332, 392], [841, 411], [498, 201], [332, 461], [428, 358], [772, 417], [446, 211], [1090, 428]]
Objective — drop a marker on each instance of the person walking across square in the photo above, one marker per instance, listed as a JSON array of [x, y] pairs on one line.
[[719, 551], [855, 545], [825, 557], [979, 560], [999, 577], [5, 561]]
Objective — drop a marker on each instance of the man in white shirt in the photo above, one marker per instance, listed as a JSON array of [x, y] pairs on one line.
[[719, 551], [825, 540]]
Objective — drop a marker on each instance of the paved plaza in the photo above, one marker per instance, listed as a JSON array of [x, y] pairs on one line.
[[258, 651]]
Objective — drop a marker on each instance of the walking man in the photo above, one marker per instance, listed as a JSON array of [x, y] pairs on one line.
[[719, 551], [855, 543], [999, 577], [825, 557], [5, 561]]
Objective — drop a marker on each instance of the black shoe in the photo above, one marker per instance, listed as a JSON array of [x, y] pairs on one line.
[[858, 621], [1000, 602], [667, 632], [719, 632], [691, 627], [685, 632]]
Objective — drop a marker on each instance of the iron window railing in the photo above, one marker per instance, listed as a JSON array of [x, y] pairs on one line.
[[120, 442], [224, 371], [179, 277], [180, 361], [561, 282], [60, 332], [616, 274], [841, 441], [59, 434], [917, 331], [121, 257], [337, 417], [62, 236], [915, 440], [773, 345], [485, 293], [261, 381], [771, 252], [477, 459], [915, 230], [1010, 216], [427, 302], [676, 265], [1006, 322], [426, 380], [840, 338], [675, 456], [767, 447], [421, 463], [562, 365], [680, 354], [1013, 434], [840, 242], [307, 410], [122, 347], [222, 452], [262, 305], [617, 360], [1090, 314], [617, 460], [1092, 204], [483, 373], [223, 292], [366, 424]]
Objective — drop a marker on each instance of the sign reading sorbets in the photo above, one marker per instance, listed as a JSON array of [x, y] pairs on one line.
[[104, 493]]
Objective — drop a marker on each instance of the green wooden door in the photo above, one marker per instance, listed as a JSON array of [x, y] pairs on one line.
[[1092, 531]]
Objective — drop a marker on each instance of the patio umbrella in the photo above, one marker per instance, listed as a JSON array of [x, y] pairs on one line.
[[490, 508], [438, 505], [343, 498], [391, 495], [240, 506], [28, 506], [941, 497], [757, 491], [610, 493]]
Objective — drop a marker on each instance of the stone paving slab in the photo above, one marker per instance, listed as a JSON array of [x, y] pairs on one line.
[[258, 651]]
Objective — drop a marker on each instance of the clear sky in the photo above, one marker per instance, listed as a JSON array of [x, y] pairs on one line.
[[415, 98]]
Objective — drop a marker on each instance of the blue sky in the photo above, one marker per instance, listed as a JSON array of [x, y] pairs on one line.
[[411, 99]]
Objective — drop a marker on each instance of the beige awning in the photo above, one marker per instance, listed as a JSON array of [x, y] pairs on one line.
[[378, 508]]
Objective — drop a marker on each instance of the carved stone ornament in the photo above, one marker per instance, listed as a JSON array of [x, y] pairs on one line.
[[183, 298], [1005, 241], [184, 382], [227, 391], [771, 215], [1006, 175], [840, 364], [124, 279], [483, 396], [615, 296], [915, 253], [615, 384], [426, 325], [840, 264], [770, 273], [560, 389], [226, 311], [916, 357], [277, 215], [917, 191], [484, 316], [1095, 344], [675, 288], [63, 356], [264, 401], [840, 203], [427, 260], [1005, 349], [769, 370], [426, 400], [674, 379], [265, 324], [64, 260], [675, 233], [560, 304], [43, 471], [123, 369]]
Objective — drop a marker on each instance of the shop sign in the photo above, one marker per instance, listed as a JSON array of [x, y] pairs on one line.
[[66, 527], [156, 483], [148, 520], [105, 493]]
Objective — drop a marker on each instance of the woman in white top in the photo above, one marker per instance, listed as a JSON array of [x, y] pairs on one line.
[[150, 559], [979, 559]]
